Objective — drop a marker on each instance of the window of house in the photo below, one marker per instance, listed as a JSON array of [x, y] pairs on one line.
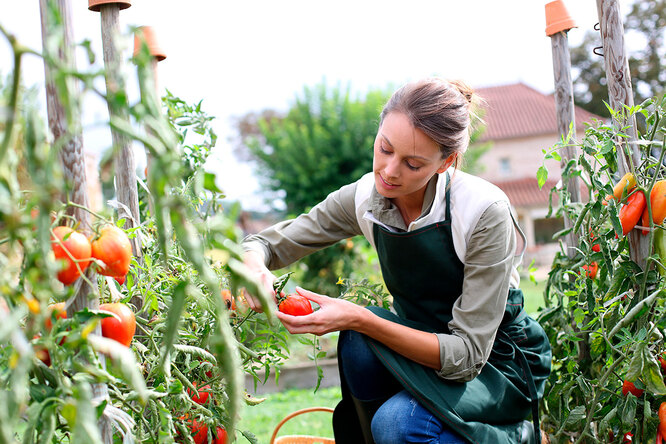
[[505, 166], [544, 229]]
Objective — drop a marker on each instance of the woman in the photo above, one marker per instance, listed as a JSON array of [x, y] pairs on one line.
[[458, 360]]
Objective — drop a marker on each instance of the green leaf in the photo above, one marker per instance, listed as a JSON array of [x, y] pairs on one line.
[[210, 183], [628, 413], [178, 298], [542, 176]]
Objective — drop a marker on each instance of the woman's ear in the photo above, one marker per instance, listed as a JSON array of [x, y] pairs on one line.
[[447, 163]]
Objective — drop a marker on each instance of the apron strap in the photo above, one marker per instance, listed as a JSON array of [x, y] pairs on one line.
[[531, 386], [447, 210]]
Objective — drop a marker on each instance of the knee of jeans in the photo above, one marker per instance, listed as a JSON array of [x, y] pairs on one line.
[[388, 424]]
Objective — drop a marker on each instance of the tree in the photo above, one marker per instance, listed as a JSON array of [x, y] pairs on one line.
[[646, 21]]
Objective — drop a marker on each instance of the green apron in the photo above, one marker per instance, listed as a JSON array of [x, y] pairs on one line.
[[425, 277]]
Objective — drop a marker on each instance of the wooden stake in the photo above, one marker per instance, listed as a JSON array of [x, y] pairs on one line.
[[564, 107], [125, 165], [61, 117], [620, 93]]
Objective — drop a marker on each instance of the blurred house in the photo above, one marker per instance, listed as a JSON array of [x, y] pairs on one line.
[[520, 124]]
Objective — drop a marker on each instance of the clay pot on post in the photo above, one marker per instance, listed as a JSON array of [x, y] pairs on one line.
[[147, 34], [96, 5], [558, 18]]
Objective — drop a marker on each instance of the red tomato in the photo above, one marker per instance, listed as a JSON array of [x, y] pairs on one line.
[[229, 299], [591, 270], [629, 387], [593, 238], [220, 436], [121, 329], [631, 212], [662, 419], [78, 247], [60, 313], [295, 305], [198, 430], [112, 247], [202, 393], [120, 279]]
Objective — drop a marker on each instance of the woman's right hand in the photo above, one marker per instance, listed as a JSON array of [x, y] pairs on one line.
[[255, 262]]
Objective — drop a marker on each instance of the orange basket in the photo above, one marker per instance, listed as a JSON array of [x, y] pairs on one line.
[[300, 439]]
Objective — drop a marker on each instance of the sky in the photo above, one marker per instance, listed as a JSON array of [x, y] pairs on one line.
[[244, 55]]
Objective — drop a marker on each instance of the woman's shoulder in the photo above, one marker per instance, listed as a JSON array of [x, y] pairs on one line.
[[472, 196], [469, 186]]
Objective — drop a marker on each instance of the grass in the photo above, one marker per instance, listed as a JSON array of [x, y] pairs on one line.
[[262, 419], [533, 294]]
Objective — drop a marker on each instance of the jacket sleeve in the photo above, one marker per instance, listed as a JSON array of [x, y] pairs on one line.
[[478, 312], [328, 222]]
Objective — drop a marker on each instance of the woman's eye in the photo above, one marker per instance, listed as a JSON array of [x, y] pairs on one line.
[[381, 148], [412, 167]]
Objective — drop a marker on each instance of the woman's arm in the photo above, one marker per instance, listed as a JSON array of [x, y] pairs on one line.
[[338, 314]]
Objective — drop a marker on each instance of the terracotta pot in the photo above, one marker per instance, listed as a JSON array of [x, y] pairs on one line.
[[558, 18], [148, 33], [95, 5]]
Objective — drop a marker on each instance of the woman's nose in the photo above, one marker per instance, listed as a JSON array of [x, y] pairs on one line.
[[392, 168]]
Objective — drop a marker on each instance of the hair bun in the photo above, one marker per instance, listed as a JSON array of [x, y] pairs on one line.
[[464, 89]]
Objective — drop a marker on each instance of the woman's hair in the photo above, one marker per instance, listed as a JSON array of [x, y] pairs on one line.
[[439, 108]]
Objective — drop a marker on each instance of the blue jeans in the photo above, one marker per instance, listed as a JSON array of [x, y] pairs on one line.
[[401, 419]]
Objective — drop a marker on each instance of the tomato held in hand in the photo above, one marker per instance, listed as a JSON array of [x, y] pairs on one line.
[[72, 250], [114, 249], [120, 329], [629, 387], [295, 305]]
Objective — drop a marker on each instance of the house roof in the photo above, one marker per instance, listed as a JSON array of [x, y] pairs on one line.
[[517, 110], [525, 192]]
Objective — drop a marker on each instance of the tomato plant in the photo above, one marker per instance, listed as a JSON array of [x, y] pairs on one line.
[[295, 305], [113, 248], [607, 333], [72, 250], [121, 326]]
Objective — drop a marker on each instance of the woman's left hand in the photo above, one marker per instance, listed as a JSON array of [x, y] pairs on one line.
[[333, 315]]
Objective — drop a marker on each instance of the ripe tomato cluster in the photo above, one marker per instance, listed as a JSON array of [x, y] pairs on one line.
[[199, 432], [636, 209], [111, 247]]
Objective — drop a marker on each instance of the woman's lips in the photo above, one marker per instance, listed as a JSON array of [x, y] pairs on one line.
[[386, 184]]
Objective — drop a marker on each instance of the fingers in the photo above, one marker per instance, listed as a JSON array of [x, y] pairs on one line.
[[314, 297]]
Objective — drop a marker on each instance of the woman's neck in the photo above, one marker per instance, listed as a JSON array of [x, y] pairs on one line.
[[410, 207]]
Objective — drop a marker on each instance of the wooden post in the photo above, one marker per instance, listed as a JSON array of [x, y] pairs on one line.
[[558, 24], [125, 165], [146, 34], [620, 93], [64, 116]]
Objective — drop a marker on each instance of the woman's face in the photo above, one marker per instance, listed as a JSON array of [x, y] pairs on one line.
[[404, 158]]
